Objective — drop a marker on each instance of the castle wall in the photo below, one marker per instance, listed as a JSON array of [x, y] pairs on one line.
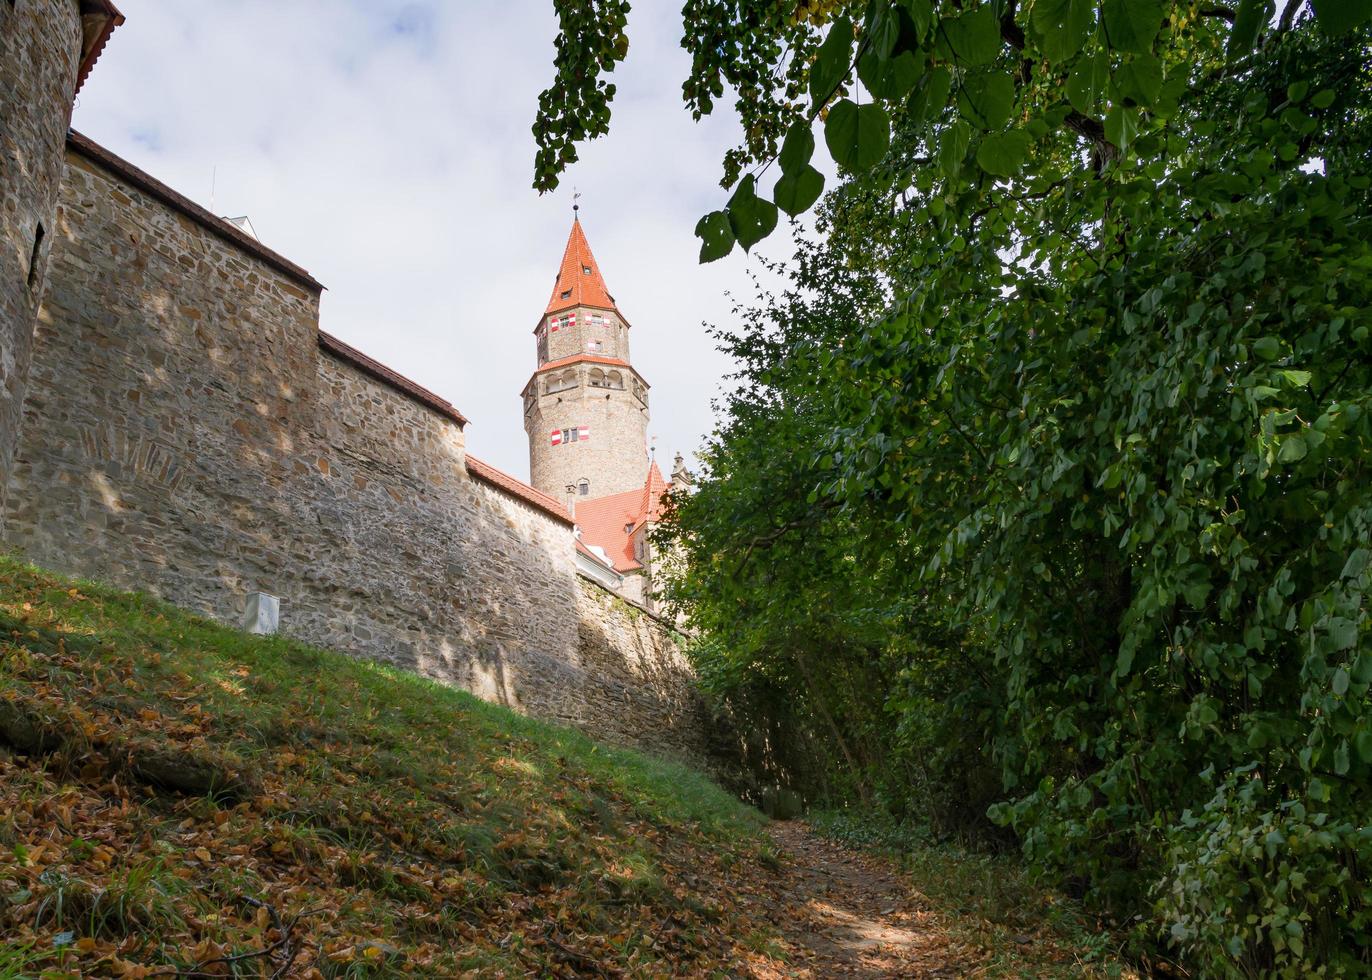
[[187, 435], [40, 46], [644, 693]]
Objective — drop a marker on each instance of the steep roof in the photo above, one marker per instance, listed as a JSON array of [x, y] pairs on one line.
[[579, 282], [610, 522]]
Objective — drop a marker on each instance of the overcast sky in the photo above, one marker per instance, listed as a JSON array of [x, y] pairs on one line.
[[385, 146]]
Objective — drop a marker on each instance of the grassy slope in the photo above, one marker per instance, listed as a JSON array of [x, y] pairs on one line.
[[389, 825]]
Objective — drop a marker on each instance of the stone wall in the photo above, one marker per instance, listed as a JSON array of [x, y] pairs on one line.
[[40, 46], [188, 432], [644, 692]]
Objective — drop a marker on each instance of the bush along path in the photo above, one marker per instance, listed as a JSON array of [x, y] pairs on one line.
[[181, 800]]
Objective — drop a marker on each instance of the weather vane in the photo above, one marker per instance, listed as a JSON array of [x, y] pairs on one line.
[[576, 196]]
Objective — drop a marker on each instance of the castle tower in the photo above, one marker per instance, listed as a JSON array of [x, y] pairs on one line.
[[585, 408], [47, 48]]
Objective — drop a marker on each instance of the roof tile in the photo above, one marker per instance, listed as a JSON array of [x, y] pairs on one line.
[[579, 282], [609, 522]]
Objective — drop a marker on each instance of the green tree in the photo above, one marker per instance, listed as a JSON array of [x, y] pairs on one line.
[[1102, 395]]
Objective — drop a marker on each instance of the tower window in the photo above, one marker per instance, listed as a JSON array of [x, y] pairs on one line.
[[577, 433], [36, 255], [584, 488], [595, 345], [586, 269], [566, 293]]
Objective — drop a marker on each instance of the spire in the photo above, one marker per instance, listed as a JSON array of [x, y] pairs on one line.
[[578, 281]]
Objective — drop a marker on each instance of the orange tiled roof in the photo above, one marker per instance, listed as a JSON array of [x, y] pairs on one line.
[[501, 480], [579, 282], [604, 520]]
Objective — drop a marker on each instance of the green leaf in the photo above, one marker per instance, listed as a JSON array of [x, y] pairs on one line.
[[797, 148], [1140, 79], [1343, 633], [796, 193], [1323, 99], [1131, 25], [1340, 682], [1341, 759], [1338, 16], [716, 236], [952, 147], [752, 218], [891, 79], [1293, 448], [931, 98], [974, 37], [1062, 26], [1248, 21], [1002, 154], [1086, 83], [832, 62], [857, 136], [1357, 561], [1121, 126], [884, 29], [1267, 348], [1363, 743], [986, 100]]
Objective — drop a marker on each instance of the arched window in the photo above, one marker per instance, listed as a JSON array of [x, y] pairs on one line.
[[584, 488], [597, 378], [569, 378], [614, 380]]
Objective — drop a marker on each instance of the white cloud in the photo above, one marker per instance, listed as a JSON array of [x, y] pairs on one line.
[[386, 147]]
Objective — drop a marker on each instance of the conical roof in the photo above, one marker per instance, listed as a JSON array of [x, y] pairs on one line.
[[579, 282]]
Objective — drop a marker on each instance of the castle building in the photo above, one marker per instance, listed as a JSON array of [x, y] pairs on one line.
[[586, 416], [173, 419]]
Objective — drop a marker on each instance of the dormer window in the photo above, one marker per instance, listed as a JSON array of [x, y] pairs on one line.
[[586, 269], [566, 293]]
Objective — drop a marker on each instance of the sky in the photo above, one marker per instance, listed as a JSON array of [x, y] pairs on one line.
[[385, 146]]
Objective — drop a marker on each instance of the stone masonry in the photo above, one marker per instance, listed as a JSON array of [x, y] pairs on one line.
[[40, 48], [189, 432]]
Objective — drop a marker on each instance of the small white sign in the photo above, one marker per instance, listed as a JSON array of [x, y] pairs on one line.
[[262, 613]]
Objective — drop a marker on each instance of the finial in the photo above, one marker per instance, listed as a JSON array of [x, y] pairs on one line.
[[576, 196]]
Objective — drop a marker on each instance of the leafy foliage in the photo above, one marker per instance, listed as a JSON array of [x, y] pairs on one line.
[[1074, 390]]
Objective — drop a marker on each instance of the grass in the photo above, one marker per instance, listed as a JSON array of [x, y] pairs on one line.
[[177, 794], [988, 901]]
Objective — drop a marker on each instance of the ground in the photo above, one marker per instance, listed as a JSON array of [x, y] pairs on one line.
[[179, 799], [851, 914]]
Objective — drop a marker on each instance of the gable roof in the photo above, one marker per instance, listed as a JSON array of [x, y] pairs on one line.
[[579, 282], [610, 522]]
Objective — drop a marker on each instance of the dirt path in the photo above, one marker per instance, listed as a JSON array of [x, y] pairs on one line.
[[849, 914]]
